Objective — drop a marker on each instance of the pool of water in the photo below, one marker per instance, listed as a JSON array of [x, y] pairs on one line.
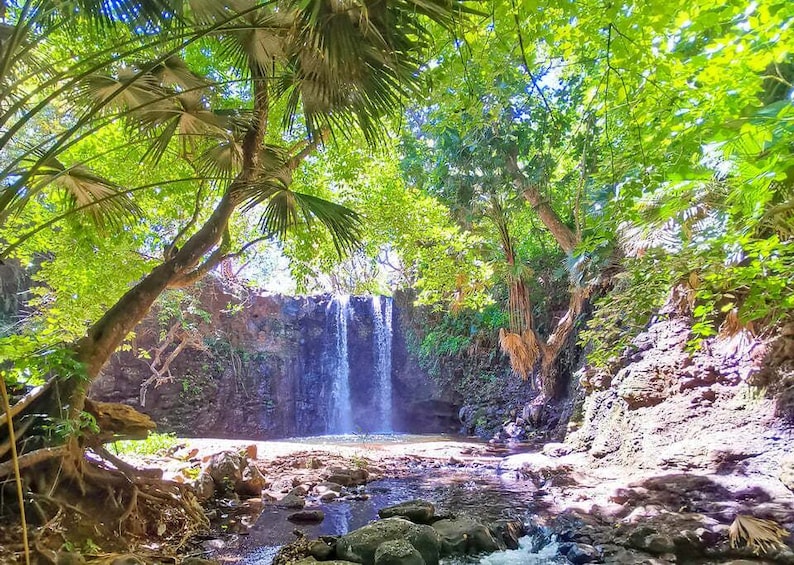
[[481, 494]]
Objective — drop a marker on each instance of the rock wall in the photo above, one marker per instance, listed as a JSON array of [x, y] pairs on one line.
[[664, 406], [266, 373]]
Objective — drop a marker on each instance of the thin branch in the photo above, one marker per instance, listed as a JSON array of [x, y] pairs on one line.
[[526, 63]]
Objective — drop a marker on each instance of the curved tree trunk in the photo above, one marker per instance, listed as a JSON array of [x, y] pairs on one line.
[[549, 349]]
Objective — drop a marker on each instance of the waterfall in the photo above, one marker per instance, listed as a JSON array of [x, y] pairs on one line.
[[382, 325], [341, 420]]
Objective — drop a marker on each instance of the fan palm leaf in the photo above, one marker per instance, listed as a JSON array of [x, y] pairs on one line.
[[99, 199], [287, 208]]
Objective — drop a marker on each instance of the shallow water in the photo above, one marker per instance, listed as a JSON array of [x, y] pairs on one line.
[[481, 494]]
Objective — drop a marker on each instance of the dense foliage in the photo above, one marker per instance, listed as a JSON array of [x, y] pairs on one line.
[[657, 135]]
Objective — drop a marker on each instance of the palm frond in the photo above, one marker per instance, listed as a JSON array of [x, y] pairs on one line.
[[285, 209], [522, 349], [760, 535], [97, 198]]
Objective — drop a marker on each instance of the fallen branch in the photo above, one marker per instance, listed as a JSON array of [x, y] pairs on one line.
[[33, 458], [25, 401]]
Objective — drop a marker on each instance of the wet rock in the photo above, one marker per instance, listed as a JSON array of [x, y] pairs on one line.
[[321, 550], [299, 490], [464, 536], [226, 469], [313, 516], [329, 496], [291, 501], [340, 479], [398, 552], [508, 531], [580, 553], [513, 431], [648, 540], [360, 545], [204, 487], [417, 511], [199, 561], [251, 482], [328, 486]]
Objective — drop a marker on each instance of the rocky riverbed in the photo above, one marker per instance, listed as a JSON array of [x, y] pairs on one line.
[[566, 507]]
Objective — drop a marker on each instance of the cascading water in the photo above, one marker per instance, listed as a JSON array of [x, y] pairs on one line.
[[341, 413], [382, 325]]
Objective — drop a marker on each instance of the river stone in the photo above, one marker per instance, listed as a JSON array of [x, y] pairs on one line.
[[417, 511], [464, 536], [251, 482], [398, 552], [509, 531], [226, 469], [321, 550], [579, 553], [313, 516], [204, 487], [360, 545], [291, 501]]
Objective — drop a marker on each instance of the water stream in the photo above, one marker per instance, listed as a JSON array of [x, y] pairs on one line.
[[382, 323], [480, 493], [340, 407]]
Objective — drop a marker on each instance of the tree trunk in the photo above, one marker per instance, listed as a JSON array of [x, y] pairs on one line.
[[550, 348], [107, 334]]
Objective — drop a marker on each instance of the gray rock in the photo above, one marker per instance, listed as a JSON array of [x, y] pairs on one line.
[[464, 536], [313, 516], [417, 511], [398, 552], [291, 501], [580, 553], [204, 486], [321, 550], [226, 469], [509, 531], [360, 545]]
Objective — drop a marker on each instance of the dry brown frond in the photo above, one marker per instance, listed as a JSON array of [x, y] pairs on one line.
[[759, 535], [522, 350]]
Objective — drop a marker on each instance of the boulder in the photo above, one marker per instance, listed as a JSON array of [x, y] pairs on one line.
[[397, 552], [508, 531], [226, 469], [204, 487], [579, 553], [360, 545], [464, 536], [321, 550], [251, 482], [313, 516], [557, 449], [291, 501], [417, 511]]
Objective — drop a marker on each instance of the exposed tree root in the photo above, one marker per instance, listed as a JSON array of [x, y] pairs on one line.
[[80, 494]]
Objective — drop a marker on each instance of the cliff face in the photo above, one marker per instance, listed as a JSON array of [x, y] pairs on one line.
[[662, 405], [271, 368]]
